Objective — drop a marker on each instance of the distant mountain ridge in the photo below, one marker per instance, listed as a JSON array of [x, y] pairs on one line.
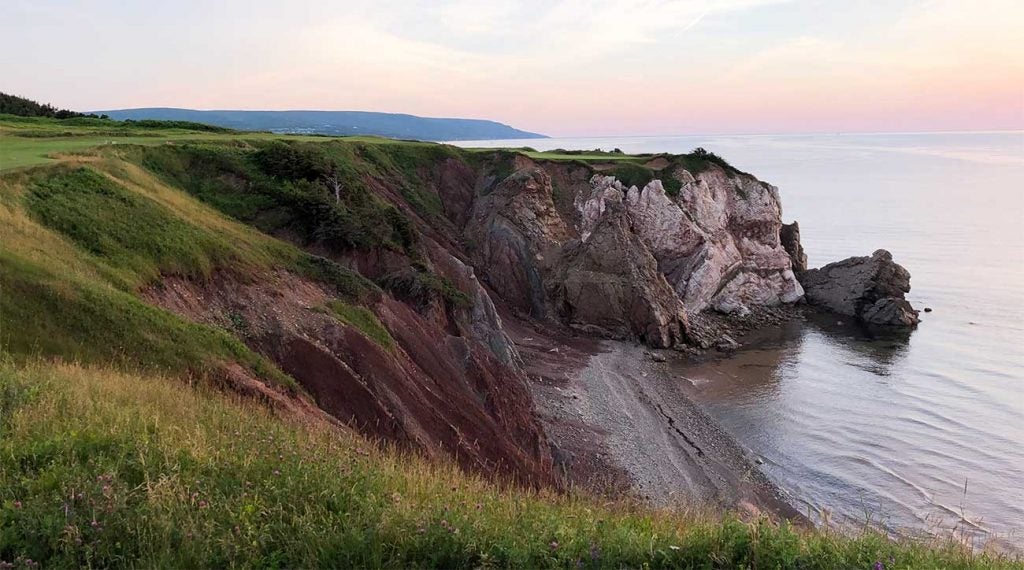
[[392, 125]]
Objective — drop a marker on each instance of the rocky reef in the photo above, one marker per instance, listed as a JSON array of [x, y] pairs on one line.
[[872, 289]]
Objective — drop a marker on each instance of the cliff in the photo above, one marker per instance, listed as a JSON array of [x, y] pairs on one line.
[[374, 278]]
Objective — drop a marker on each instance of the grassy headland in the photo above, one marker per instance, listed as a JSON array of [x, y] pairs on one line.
[[111, 454]]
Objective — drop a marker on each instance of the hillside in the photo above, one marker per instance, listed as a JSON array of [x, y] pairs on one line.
[[346, 123], [245, 349]]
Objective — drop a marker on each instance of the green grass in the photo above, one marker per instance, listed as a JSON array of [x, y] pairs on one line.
[[100, 469], [364, 320], [33, 141], [44, 314], [125, 230]]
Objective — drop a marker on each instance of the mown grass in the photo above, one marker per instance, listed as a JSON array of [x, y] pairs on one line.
[[364, 320], [33, 141], [101, 468]]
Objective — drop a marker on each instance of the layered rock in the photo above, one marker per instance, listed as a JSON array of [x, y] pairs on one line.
[[717, 246], [872, 289], [608, 283], [430, 390], [511, 230], [632, 262]]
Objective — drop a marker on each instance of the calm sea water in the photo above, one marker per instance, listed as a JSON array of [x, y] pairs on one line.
[[923, 433]]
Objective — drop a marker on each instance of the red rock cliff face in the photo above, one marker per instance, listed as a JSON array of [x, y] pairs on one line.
[[431, 391]]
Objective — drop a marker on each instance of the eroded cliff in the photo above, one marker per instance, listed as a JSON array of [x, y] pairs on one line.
[[446, 241]]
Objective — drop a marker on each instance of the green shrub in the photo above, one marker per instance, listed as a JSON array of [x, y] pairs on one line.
[[283, 189], [421, 287], [633, 174]]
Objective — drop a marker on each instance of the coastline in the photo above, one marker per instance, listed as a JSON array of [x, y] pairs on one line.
[[620, 422]]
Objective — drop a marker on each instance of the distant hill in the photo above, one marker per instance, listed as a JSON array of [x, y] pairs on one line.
[[391, 125]]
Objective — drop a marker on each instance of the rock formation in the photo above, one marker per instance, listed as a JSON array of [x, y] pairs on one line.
[[608, 284], [630, 261], [871, 289], [789, 235]]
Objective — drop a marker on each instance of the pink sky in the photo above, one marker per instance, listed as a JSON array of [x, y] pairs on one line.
[[563, 68]]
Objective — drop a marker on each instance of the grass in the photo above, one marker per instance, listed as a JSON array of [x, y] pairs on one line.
[[43, 314], [33, 141], [101, 468], [78, 240], [364, 320], [124, 229]]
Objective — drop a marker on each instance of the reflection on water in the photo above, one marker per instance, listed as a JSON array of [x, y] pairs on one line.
[[853, 440], [871, 424]]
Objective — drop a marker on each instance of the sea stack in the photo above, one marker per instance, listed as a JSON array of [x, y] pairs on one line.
[[872, 289]]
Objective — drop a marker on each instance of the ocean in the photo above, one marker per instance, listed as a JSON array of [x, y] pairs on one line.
[[918, 434]]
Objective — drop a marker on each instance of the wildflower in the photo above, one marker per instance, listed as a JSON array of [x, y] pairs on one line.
[[554, 545], [95, 523], [17, 504], [421, 530], [673, 547], [595, 552], [879, 565], [203, 504], [277, 473], [479, 506]]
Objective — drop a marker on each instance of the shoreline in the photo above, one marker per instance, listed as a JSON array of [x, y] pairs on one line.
[[622, 423]]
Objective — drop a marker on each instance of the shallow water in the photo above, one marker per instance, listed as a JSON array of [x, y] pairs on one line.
[[922, 433]]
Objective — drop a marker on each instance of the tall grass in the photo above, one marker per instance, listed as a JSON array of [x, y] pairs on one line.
[[101, 468]]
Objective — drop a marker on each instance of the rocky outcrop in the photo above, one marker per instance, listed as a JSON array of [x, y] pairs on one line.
[[717, 244], [608, 284], [872, 289], [510, 231], [625, 254], [789, 236]]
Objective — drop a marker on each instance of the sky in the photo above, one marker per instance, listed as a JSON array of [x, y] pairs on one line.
[[571, 68]]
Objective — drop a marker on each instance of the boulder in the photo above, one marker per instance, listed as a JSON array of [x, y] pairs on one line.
[[871, 289]]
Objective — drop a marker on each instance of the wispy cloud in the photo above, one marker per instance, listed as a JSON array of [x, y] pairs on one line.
[[572, 66]]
